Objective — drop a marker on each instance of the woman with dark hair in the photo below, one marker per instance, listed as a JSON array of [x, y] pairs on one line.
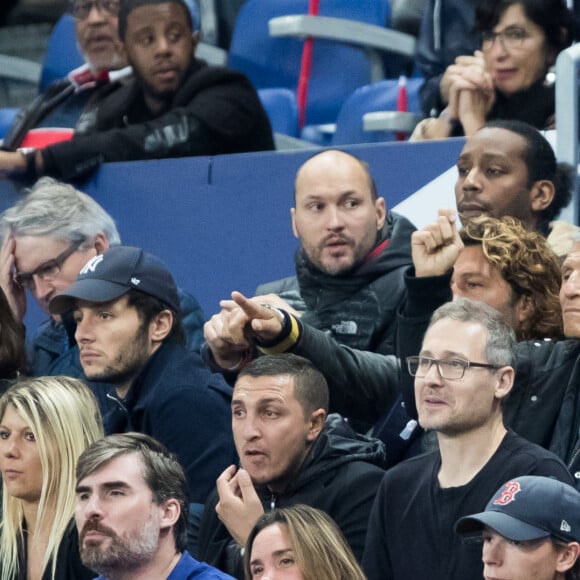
[[508, 78]]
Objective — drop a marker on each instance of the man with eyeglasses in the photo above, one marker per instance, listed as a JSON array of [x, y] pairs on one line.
[[47, 237], [463, 373], [64, 101], [176, 106]]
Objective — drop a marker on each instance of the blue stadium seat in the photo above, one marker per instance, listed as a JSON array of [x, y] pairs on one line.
[[337, 69], [6, 117], [62, 54], [379, 96], [280, 105]]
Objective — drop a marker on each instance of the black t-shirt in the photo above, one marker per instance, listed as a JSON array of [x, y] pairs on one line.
[[411, 536]]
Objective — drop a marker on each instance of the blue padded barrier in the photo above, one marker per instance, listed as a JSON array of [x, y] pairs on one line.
[[223, 223]]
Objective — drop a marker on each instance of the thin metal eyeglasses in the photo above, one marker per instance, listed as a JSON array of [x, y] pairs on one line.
[[451, 369], [82, 8], [48, 270], [510, 38]]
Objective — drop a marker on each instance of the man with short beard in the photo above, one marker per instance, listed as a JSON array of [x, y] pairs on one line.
[[129, 335], [132, 511], [352, 256]]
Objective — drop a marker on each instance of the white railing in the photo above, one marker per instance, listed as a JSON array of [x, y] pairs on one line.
[[567, 119]]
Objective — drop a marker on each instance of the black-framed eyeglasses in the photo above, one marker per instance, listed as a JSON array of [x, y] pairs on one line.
[[452, 368], [48, 270], [511, 38], [81, 9]]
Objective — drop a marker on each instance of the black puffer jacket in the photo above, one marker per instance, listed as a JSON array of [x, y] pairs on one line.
[[358, 309], [340, 476]]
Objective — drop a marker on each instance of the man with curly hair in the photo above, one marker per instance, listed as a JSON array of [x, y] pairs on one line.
[[514, 270]]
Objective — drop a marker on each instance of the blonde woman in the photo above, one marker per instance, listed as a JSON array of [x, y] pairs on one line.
[[299, 543], [45, 424]]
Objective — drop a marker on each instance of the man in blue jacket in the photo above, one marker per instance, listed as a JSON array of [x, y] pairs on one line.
[[132, 512], [128, 329]]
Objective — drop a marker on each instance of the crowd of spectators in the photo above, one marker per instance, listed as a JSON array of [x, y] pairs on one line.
[[405, 406]]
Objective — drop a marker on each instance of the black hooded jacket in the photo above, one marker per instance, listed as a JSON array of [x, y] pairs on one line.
[[340, 476]]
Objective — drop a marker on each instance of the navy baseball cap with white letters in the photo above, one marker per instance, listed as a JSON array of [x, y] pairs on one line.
[[110, 275], [530, 507]]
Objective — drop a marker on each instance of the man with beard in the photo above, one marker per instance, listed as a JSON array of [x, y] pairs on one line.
[[176, 106], [129, 334], [352, 255], [132, 511], [47, 237]]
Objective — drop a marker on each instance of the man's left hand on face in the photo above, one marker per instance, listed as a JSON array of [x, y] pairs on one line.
[[239, 506], [14, 293]]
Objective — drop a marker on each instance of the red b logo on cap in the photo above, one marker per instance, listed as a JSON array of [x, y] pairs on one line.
[[508, 493]]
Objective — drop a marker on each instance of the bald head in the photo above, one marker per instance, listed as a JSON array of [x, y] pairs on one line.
[[337, 214], [333, 161]]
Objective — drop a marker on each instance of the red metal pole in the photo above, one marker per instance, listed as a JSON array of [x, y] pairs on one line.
[[305, 67]]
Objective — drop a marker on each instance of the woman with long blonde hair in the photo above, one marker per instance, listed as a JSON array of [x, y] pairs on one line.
[[45, 424], [299, 543]]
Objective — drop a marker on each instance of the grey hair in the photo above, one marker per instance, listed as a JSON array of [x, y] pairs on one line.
[[500, 344], [56, 209]]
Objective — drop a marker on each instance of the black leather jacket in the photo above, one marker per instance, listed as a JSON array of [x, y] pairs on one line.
[[215, 111]]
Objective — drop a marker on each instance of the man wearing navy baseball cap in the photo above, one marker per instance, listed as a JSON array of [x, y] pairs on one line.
[[530, 529], [128, 330]]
